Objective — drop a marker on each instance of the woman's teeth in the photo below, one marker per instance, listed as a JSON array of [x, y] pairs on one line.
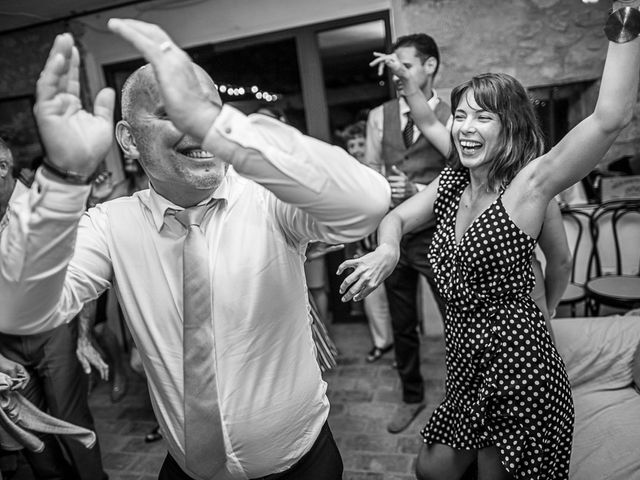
[[469, 146]]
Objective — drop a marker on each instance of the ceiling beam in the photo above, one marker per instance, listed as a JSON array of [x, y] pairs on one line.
[[72, 16]]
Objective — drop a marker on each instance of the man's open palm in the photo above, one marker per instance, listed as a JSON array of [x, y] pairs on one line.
[[74, 139]]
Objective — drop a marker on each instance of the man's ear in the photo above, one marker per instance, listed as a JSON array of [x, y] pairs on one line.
[[4, 169], [430, 66], [124, 136]]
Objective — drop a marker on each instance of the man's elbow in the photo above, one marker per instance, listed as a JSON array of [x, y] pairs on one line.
[[378, 206], [363, 220]]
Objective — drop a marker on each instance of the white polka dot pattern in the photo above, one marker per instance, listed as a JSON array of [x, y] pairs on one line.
[[506, 384]]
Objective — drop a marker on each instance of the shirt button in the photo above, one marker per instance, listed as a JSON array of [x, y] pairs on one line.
[[227, 130]]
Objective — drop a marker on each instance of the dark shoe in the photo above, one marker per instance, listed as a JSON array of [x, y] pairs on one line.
[[403, 417], [376, 353], [119, 387], [154, 435]]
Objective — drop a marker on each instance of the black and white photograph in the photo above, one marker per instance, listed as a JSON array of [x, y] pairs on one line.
[[337, 240]]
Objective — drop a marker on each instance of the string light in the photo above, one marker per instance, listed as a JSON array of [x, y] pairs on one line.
[[235, 91]]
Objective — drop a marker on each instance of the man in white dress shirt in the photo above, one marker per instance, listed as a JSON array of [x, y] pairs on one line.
[[284, 190]]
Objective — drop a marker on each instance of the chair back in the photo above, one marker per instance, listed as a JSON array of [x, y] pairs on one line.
[[576, 224], [615, 233]]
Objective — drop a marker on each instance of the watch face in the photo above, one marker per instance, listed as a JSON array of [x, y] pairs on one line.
[[623, 25]]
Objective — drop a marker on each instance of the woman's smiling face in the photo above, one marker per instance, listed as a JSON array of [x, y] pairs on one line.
[[475, 132]]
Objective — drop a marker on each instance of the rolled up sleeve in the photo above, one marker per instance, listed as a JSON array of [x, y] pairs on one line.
[[36, 247]]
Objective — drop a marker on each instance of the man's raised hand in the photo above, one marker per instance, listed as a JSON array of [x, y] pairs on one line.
[[74, 139], [190, 109], [392, 62]]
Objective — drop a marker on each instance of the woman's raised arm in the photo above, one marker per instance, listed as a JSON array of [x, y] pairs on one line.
[[585, 145]]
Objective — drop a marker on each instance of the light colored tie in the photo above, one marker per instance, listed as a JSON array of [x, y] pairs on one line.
[[204, 444]]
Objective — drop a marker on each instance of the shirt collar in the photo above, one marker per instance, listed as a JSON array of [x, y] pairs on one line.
[[158, 205], [432, 102], [18, 189]]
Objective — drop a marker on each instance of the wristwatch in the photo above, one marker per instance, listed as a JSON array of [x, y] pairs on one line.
[[68, 175], [623, 25]]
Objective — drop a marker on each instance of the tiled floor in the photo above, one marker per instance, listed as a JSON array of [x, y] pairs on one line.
[[363, 396]]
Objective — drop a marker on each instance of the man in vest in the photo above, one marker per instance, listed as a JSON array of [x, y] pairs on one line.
[[397, 149]]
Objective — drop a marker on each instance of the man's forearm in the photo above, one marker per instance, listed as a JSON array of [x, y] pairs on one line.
[[35, 248], [316, 177], [86, 319]]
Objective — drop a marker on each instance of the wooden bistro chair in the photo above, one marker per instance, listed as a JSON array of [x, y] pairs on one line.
[[576, 221], [615, 258]]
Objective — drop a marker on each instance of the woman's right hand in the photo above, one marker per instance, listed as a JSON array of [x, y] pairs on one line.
[[369, 271]]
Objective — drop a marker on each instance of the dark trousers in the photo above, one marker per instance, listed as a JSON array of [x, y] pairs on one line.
[[402, 289], [322, 462], [58, 386]]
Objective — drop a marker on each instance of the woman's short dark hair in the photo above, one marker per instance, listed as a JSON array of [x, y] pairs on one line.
[[521, 138], [355, 130]]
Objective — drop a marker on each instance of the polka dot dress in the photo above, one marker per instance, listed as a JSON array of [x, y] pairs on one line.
[[506, 384]]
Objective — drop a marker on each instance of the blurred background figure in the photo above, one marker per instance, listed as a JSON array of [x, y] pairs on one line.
[[55, 381], [410, 160], [376, 306]]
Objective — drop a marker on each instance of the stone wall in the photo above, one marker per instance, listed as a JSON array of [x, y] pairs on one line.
[[540, 42]]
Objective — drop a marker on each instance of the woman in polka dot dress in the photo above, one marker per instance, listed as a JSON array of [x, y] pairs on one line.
[[508, 401]]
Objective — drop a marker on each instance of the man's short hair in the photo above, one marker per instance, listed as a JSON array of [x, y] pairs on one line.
[[424, 44], [3, 145], [130, 91]]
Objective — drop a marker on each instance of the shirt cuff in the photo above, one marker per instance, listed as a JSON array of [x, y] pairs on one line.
[[281, 145], [59, 196]]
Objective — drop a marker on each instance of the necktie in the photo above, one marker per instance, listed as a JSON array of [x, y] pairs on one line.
[[407, 133], [204, 443]]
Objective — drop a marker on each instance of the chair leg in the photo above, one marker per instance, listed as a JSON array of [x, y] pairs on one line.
[[594, 307]]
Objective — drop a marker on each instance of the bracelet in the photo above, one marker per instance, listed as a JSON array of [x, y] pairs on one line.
[[67, 175], [623, 25]]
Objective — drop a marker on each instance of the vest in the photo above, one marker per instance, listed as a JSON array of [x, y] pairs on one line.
[[421, 162]]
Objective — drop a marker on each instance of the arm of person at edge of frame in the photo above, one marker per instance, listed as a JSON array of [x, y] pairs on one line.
[[370, 270], [584, 146], [554, 246], [38, 242], [345, 198], [86, 351], [16, 371]]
